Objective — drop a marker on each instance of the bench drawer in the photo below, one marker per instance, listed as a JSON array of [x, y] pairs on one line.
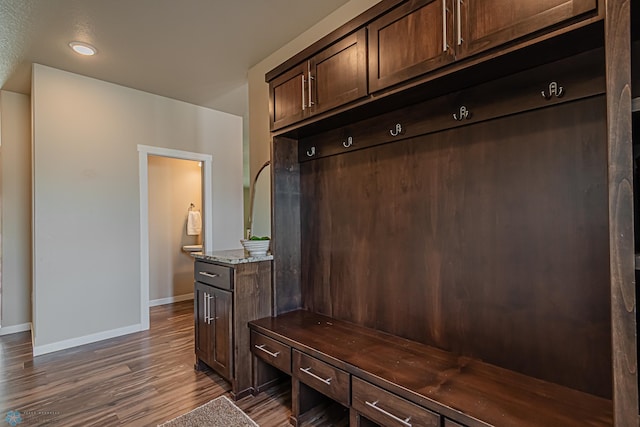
[[214, 275], [328, 380], [271, 351], [388, 409]]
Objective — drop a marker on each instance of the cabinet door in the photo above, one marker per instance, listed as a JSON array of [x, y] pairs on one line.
[[338, 74], [289, 97], [221, 312], [203, 328], [483, 24], [409, 41]]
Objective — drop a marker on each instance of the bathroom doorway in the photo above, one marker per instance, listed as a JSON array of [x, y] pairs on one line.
[[175, 203], [150, 159]]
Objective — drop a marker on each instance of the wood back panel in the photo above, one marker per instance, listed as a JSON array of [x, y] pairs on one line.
[[489, 240]]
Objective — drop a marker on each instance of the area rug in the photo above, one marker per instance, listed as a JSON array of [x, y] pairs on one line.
[[220, 412]]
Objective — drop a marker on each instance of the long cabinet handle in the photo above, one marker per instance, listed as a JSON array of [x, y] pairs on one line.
[[204, 273], [205, 306], [459, 21], [375, 406], [311, 79], [307, 371], [261, 347], [445, 45], [304, 104]]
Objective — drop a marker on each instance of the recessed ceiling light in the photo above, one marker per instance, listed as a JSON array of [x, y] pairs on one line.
[[83, 48]]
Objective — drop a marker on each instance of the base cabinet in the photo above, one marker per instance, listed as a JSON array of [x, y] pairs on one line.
[[226, 297], [213, 311]]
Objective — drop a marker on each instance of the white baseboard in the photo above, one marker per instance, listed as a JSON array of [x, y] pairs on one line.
[[170, 300], [6, 330], [87, 339]]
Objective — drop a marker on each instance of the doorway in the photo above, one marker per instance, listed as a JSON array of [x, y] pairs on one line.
[[206, 161]]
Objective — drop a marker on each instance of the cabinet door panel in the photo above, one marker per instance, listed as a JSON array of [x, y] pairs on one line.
[[203, 342], [489, 23], [221, 307], [289, 97], [409, 41], [339, 73]]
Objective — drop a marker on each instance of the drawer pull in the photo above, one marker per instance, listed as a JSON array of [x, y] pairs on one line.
[[307, 371], [261, 347], [204, 273], [375, 406]]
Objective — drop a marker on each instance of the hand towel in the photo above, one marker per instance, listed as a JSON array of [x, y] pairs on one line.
[[194, 223]]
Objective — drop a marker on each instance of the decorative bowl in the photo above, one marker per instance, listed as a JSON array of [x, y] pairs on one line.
[[256, 247]]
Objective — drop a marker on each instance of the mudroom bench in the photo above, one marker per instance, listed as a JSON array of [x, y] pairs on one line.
[[375, 378]]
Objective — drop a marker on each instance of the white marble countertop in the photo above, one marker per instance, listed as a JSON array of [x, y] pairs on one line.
[[231, 256]]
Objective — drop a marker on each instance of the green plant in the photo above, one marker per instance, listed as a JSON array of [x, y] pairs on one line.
[[259, 238]]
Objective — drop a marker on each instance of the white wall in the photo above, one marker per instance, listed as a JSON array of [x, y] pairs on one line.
[[259, 133], [173, 185], [15, 202], [86, 198]]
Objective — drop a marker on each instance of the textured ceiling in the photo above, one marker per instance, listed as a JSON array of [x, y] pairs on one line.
[[198, 51]]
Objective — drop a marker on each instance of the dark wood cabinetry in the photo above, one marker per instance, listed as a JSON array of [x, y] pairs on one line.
[[214, 342], [482, 25], [410, 40], [226, 297], [404, 41], [333, 77], [488, 222]]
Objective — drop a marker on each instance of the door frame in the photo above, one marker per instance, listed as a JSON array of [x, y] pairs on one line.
[[144, 151]]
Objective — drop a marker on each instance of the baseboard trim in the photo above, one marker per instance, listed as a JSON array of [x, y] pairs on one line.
[[170, 300], [8, 330], [39, 350]]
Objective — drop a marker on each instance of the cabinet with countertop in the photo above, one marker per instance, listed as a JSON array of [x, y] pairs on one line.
[[230, 290]]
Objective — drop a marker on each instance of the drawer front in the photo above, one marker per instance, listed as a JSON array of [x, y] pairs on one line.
[[387, 409], [271, 351], [216, 275], [326, 379], [449, 423]]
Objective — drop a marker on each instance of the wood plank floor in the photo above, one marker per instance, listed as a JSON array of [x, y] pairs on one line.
[[141, 379]]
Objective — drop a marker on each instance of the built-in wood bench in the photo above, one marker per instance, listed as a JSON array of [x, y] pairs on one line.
[[392, 381]]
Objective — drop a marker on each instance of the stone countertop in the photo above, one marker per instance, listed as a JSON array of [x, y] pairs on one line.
[[232, 256]]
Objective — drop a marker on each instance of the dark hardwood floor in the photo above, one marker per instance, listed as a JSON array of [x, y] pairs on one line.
[[142, 379]]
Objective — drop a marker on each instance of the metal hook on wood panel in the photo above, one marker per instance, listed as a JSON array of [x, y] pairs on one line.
[[397, 131], [554, 90], [311, 152], [348, 143], [464, 113]]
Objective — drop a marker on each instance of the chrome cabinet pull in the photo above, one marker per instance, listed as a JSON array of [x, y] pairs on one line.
[[205, 308], [554, 90], [375, 406], [307, 371], [311, 78], [397, 130], [459, 22], [311, 152], [204, 273], [348, 143], [464, 113], [261, 347], [445, 45], [304, 104]]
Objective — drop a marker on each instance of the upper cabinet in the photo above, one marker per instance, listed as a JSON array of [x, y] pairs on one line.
[[397, 41], [484, 24], [410, 40], [422, 35], [333, 77]]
